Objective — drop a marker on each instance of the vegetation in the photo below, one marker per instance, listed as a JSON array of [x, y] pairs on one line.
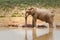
[[17, 15], [24, 3], [1, 16], [7, 5]]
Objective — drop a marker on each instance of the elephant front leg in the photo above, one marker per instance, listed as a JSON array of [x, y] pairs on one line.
[[25, 22], [51, 25], [34, 22]]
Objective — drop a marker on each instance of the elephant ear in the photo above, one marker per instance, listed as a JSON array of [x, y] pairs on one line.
[[32, 10]]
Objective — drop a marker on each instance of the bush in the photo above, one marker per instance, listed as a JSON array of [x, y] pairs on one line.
[[14, 15], [1, 16], [17, 15]]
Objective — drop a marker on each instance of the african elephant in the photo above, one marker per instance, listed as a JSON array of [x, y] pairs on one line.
[[41, 14]]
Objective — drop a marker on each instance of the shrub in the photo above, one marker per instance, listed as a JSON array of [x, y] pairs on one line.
[[1, 16]]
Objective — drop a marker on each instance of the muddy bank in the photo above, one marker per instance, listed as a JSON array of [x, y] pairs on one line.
[[19, 21]]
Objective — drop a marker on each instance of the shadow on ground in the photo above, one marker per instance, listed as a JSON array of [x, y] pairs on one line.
[[30, 26]]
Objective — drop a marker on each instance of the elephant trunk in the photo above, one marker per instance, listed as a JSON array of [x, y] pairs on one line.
[[26, 15]]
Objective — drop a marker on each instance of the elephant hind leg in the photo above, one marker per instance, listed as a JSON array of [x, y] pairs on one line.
[[50, 20]]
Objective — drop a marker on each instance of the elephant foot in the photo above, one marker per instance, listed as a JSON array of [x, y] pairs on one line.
[[51, 27]]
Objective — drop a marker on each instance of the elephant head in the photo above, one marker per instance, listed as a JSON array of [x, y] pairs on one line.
[[28, 12]]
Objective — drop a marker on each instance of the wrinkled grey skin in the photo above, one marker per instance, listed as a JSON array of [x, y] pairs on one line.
[[41, 14]]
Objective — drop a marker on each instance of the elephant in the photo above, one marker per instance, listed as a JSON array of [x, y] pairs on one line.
[[41, 14]]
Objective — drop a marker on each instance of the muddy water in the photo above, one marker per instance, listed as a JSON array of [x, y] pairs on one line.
[[30, 34]]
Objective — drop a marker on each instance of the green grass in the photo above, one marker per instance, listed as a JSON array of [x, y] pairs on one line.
[[43, 3]]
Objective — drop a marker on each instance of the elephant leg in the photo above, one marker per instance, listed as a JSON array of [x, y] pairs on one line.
[[54, 25], [25, 23], [34, 21], [51, 25], [50, 20]]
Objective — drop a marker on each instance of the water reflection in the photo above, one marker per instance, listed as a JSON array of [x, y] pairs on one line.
[[54, 34], [30, 34]]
